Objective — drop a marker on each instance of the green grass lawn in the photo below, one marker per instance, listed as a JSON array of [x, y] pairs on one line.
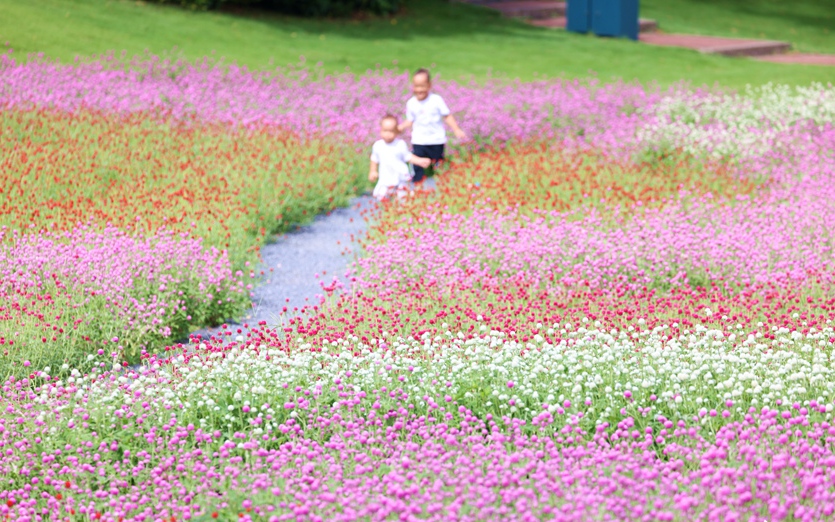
[[457, 41], [808, 24]]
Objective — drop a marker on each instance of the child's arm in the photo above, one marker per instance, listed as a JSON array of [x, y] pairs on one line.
[[406, 124], [373, 175], [417, 160], [409, 121], [449, 119]]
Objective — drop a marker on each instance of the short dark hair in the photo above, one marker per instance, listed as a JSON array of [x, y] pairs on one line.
[[389, 116], [423, 71]]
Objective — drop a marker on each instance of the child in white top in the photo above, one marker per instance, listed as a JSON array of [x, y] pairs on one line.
[[426, 114], [389, 161]]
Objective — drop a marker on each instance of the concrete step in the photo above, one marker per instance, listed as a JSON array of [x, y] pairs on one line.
[[645, 25], [763, 48], [717, 45], [533, 9]]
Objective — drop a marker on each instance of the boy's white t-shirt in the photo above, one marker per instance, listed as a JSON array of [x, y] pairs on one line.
[[392, 167], [427, 117]]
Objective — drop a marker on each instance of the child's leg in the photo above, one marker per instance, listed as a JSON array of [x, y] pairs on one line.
[[433, 152], [420, 173], [436, 154], [382, 192]]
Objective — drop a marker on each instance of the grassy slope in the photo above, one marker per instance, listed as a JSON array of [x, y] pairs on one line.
[[808, 24], [460, 40]]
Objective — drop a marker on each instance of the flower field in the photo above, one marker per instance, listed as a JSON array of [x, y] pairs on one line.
[[184, 204], [617, 305]]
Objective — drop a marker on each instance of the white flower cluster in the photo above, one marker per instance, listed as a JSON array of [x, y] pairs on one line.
[[590, 373], [738, 125]]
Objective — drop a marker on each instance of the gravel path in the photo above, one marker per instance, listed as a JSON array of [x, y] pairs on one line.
[[323, 248]]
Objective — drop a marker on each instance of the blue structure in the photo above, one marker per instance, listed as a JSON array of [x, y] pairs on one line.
[[614, 17], [579, 16]]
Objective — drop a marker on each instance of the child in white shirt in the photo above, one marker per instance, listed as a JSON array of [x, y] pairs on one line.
[[426, 114], [389, 161]]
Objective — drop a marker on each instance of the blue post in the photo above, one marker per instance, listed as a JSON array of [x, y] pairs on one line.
[[579, 16], [630, 25], [615, 18]]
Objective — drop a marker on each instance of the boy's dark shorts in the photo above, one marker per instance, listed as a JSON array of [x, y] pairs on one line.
[[433, 152]]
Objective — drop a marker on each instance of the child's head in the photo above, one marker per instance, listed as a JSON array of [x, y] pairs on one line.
[[421, 83], [388, 128]]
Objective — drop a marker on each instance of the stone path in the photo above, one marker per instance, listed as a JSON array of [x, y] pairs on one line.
[[645, 25], [532, 9], [714, 45], [543, 13], [549, 13], [296, 262]]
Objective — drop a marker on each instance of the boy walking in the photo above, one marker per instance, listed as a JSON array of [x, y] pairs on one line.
[[390, 157], [426, 113]]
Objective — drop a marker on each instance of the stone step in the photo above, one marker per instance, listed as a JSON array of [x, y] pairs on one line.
[[534, 9], [717, 45], [645, 25]]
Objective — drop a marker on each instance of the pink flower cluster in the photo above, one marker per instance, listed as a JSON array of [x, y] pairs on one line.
[[746, 243], [301, 100], [782, 233], [349, 458], [152, 286]]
